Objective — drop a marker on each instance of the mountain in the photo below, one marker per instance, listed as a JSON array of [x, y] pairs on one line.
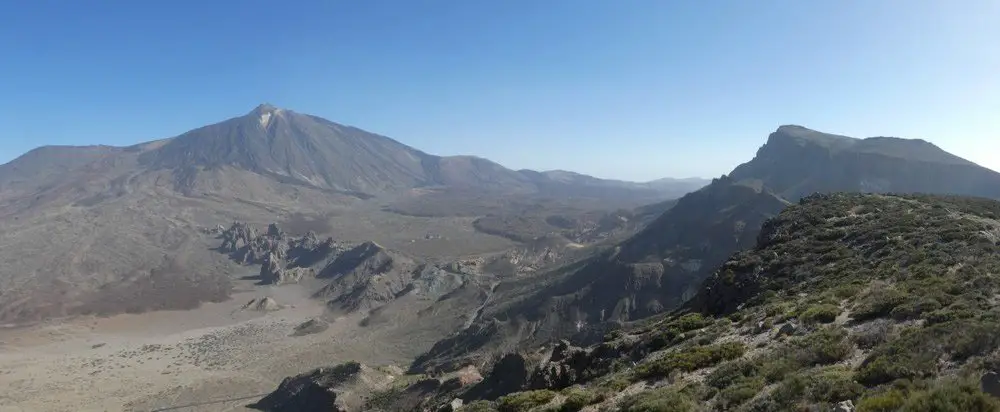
[[797, 161], [845, 302], [100, 229], [663, 265]]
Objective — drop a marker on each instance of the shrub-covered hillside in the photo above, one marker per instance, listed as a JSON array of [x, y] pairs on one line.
[[848, 302]]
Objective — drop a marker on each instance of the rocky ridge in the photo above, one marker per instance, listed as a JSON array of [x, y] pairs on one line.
[[663, 265]]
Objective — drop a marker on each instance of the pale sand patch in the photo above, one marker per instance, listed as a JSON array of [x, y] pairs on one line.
[[161, 360]]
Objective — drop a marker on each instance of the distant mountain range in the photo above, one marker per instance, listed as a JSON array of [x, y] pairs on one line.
[[306, 150]]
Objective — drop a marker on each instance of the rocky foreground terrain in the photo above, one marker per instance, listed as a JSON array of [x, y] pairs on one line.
[[846, 302]]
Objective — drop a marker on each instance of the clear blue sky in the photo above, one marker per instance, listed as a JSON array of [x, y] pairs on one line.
[[633, 89]]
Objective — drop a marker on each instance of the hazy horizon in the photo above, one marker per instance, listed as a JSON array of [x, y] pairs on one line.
[[634, 91]]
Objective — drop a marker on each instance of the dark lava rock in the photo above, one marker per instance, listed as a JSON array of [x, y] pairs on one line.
[[310, 326], [509, 374], [310, 392]]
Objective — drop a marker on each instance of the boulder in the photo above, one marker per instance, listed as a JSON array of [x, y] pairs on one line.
[[310, 326], [314, 391], [990, 383], [265, 304], [787, 329], [844, 406], [341, 388], [510, 374]]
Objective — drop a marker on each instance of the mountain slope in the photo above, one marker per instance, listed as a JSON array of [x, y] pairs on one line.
[[883, 302], [297, 148], [660, 267]]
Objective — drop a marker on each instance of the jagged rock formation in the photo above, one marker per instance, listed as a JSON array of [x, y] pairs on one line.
[[273, 271], [283, 259], [368, 276]]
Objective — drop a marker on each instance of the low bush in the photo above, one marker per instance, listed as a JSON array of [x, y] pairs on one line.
[[690, 359], [524, 401], [915, 352], [823, 347], [578, 398], [878, 302], [888, 401], [833, 385], [731, 372], [914, 309], [660, 400], [479, 406], [953, 396], [738, 393], [824, 313]]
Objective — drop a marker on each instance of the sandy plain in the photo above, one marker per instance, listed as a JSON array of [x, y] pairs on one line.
[[218, 357]]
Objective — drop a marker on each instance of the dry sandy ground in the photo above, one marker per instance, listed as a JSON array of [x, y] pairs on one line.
[[214, 358]]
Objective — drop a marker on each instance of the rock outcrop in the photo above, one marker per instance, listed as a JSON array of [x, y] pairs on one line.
[[341, 388], [265, 304], [283, 258], [310, 326]]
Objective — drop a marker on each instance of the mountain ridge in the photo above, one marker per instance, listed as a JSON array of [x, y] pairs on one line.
[[661, 266]]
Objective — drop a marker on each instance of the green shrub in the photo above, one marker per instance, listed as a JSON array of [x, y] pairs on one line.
[[479, 406], [667, 399], [613, 335], [614, 383], [823, 347], [954, 312], [833, 385], [914, 309], [846, 291], [691, 321], [690, 359], [915, 352], [524, 401], [888, 401], [738, 393], [951, 397], [731, 372], [878, 303], [824, 313], [578, 398], [776, 368]]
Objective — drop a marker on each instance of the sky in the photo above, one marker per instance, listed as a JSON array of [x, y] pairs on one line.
[[628, 89]]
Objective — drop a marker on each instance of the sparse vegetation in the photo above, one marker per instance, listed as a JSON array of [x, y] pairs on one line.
[[524, 401], [824, 313], [690, 359], [658, 400], [577, 398]]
